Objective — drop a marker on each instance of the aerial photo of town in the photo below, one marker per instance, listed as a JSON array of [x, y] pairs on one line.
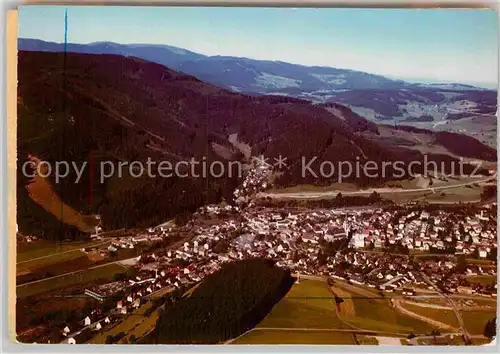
[[231, 176]]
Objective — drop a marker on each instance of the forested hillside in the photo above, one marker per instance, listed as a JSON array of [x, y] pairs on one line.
[[87, 108]]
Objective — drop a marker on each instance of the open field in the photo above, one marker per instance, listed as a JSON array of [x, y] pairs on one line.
[[56, 269], [446, 316], [61, 262], [103, 272], [482, 279], [334, 187], [295, 337], [377, 314], [464, 194], [30, 266], [452, 190], [482, 262], [38, 251], [480, 341], [410, 183], [76, 262], [308, 304], [476, 320]]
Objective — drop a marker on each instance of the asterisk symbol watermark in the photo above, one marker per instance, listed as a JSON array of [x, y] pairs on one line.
[[261, 161], [280, 161]]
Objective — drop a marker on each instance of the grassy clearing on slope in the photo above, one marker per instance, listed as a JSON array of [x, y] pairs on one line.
[[104, 272], [41, 191], [308, 304], [296, 337]]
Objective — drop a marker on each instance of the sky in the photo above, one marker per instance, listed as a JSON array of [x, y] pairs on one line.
[[416, 45]]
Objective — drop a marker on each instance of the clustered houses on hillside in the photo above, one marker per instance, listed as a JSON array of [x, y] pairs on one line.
[[20, 238], [421, 231], [367, 246], [296, 240], [340, 244], [255, 181]]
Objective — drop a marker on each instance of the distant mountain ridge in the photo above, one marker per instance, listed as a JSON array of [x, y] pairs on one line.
[[243, 74]]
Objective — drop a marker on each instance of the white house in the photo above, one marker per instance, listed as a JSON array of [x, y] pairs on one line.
[[87, 321], [98, 326], [71, 340], [358, 240], [66, 330]]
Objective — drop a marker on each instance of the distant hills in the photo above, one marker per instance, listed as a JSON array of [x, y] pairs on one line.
[[238, 74], [375, 97]]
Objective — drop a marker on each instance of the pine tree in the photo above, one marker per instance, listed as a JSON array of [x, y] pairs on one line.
[[490, 329]]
